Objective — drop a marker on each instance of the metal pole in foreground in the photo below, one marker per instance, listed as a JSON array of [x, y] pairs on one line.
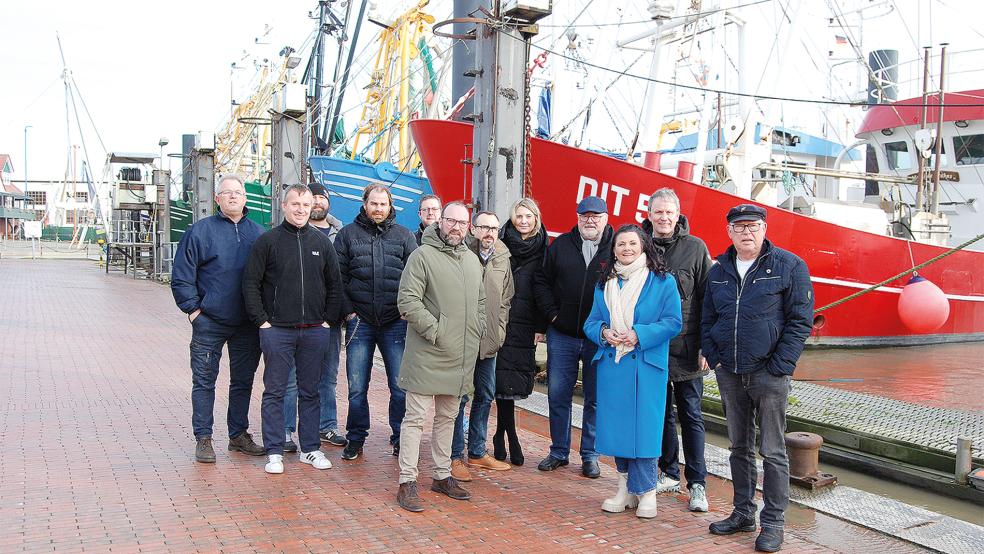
[[935, 198], [26, 127]]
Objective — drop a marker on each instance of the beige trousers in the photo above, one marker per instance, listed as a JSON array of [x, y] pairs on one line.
[[445, 411]]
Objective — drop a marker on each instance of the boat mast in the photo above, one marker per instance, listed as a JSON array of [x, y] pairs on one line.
[[348, 67], [319, 64], [327, 135], [935, 201], [921, 176]]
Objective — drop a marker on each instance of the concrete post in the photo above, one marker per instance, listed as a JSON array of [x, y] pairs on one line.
[[203, 182], [288, 160], [963, 465]]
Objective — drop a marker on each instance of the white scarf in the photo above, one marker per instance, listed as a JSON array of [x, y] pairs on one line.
[[621, 301]]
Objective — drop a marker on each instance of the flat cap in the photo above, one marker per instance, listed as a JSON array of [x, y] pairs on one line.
[[746, 212]]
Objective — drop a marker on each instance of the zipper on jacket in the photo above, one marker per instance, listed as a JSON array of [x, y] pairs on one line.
[[740, 286], [236, 224], [300, 256]]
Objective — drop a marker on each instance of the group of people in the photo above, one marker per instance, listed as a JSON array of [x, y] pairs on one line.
[[638, 315]]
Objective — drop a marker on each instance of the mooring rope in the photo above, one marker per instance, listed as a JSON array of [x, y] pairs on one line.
[[903, 274]]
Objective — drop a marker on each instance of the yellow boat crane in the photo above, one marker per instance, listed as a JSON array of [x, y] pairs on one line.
[[390, 103]]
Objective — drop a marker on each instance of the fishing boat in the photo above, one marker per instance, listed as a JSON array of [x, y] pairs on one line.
[[850, 244]]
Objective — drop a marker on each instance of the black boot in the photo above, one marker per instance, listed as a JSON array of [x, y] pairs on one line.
[[515, 450], [498, 439]]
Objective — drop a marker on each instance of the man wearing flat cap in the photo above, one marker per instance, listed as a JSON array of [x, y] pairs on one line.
[[565, 284], [757, 315]]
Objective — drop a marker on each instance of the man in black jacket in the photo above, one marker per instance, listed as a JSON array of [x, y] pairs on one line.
[[566, 285], [292, 290], [687, 258], [372, 252], [428, 212], [757, 315]]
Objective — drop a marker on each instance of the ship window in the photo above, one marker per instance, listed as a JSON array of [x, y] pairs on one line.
[[898, 155], [969, 149]]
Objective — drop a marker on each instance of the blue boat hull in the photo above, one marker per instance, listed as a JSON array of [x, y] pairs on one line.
[[346, 179]]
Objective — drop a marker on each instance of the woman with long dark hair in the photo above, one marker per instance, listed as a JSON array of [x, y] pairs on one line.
[[515, 364], [636, 313]]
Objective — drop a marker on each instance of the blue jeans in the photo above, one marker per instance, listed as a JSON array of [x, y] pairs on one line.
[[688, 395], [478, 419], [207, 339], [752, 399], [329, 379], [286, 348], [643, 473], [363, 338], [563, 354]]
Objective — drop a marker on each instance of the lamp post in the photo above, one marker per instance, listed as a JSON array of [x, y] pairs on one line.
[[26, 127], [162, 143]]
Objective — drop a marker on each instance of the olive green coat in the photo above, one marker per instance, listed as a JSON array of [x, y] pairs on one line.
[[498, 295], [442, 297]]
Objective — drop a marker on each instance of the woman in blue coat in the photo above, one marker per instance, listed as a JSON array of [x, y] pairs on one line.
[[636, 313]]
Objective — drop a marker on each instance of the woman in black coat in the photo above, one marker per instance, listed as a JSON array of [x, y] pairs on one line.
[[515, 364]]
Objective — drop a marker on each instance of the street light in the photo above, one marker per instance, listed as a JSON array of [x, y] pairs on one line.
[[162, 143], [26, 127]]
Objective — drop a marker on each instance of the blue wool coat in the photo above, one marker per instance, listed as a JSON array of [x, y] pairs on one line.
[[632, 393]]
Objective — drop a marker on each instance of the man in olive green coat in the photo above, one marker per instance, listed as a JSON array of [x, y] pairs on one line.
[[442, 297]]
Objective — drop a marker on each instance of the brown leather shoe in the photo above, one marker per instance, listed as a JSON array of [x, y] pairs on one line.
[[203, 450], [485, 462], [407, 497], [244, 443], [460, 471], [449, 486]]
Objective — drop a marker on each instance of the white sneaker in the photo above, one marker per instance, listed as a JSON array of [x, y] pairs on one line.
[[317, 459], [647, 505], [698, 498], [275, 464], [667, 484]]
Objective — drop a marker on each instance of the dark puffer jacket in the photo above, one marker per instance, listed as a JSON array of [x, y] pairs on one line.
[[687, 258], [761, 321], [371, 259], [515, 365], [565, 285]]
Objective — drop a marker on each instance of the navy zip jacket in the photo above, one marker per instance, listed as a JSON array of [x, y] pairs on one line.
[[564, 286], [208, 267], [761, 321], [292, 278], [371, 259]]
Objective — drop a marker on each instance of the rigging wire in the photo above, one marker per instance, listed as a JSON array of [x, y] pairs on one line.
[[695, 14]]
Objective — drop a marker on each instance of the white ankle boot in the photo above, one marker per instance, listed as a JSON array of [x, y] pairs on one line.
[[622, 498], [647, 505]]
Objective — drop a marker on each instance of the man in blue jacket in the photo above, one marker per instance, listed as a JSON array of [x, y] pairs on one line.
[[206, 282], [757, 315]]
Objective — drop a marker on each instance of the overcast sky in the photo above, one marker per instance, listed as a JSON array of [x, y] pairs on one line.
[[148, 70]]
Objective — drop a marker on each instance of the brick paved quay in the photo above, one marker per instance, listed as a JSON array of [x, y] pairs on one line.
[[96, 391]]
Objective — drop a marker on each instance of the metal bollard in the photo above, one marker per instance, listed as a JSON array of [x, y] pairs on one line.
[[804, 459], [963, 465]]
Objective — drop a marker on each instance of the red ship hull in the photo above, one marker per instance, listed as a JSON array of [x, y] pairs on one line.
[[842, 261]]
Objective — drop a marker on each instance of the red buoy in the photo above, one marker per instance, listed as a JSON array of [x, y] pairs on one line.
[[923, 307]]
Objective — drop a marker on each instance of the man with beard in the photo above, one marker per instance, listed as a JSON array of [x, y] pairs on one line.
[[328, 224], [372, 252], [442, 297], [429, 212], [498, 281], [566, 285]]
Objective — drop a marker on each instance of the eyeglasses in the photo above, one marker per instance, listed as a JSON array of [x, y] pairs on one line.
[[429, 210], [589, 217], [750, 227], [232, 193], [486, 229], [455, 222]]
